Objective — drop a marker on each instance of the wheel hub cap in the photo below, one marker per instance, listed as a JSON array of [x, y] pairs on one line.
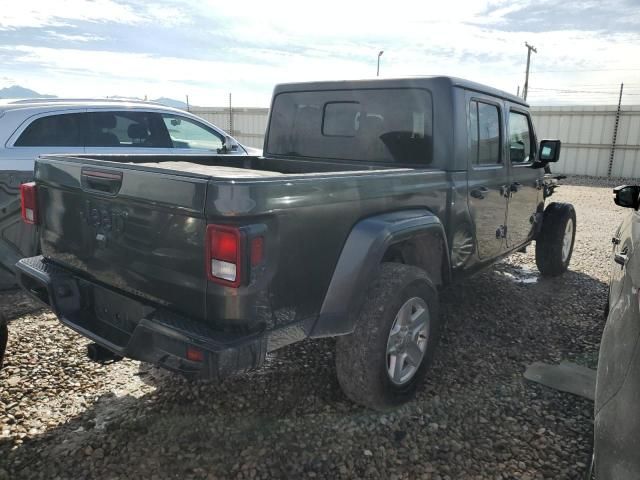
[[566, 240], [407, 342]]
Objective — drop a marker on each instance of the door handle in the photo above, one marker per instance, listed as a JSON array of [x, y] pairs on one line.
[[101, 180], [515, 186], [479, 193], [621, 258]]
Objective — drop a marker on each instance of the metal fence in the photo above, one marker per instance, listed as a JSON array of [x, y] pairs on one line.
[[587, 134], [247, 125], [588, 143]]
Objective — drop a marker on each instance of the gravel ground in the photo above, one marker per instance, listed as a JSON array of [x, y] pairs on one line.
[[62, 416]]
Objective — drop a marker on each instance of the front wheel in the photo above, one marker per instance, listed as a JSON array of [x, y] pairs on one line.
[[554, 245], [383, 361]]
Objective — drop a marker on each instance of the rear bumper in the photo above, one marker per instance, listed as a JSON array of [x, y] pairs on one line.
[[134, 329]]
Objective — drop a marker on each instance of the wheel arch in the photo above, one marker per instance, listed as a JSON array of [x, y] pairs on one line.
[[413, 237]]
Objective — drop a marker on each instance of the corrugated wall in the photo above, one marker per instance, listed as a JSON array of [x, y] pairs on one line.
[[586, 133], [247, 125]]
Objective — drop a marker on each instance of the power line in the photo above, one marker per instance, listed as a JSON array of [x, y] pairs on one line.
[[566, 90], [580, 85], [590, 70]]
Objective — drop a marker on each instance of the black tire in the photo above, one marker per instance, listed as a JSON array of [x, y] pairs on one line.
[[4, 336], [549, 244], [361, 357]]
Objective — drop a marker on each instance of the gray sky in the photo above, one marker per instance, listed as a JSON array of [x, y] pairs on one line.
[[207, 48]]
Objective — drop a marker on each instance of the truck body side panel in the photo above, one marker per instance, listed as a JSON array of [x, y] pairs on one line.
[[302, 241], [362, 255]]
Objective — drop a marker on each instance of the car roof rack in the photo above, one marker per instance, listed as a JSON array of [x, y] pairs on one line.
[[79, 100]]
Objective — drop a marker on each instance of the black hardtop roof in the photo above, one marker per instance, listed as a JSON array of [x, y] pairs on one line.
[[416, 82]]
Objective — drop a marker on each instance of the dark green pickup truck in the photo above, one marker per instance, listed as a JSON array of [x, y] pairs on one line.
[[370, 198]]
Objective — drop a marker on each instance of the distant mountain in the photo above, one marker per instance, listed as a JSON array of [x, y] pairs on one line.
[[16, 91], [170, 102]]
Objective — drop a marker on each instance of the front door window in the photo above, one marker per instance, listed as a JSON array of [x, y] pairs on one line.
[[186, 133], [519, 138]]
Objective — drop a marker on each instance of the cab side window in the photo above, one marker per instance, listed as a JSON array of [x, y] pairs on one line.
[[484, 133], [185, 133], [53, 131], [520, 138]]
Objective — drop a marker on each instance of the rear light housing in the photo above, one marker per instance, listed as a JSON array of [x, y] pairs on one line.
[[257, 251], [29, 203], [195, 354], [224, 255], [233, 253]]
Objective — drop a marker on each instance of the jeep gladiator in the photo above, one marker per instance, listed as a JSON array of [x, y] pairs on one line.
[[370, 198]]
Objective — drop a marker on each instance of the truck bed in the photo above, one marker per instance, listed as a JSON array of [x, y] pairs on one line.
[[216, 171], [225, 167], [137, 225]]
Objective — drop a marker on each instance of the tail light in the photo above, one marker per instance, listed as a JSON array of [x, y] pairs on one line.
[[232, 253], [224, 255], [29, 204]]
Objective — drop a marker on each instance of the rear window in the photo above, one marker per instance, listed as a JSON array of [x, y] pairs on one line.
[[376, 125], [53, 131]]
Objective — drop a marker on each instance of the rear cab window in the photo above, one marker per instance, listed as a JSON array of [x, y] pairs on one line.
[[387, 126]]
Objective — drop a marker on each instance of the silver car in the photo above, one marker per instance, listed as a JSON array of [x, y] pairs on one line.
[[617, 402], [29, 128]]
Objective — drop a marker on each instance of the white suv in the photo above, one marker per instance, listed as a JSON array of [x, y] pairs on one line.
[[29, 128]]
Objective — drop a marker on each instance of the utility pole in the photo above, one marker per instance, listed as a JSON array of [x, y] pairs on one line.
[[525, 89], [187, 103], [615, 133], [518, 92], [379, 55]]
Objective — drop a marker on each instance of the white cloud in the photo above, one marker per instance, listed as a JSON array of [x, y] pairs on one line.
[[277, 41], [50, 13], [41, 13], [74, 38]]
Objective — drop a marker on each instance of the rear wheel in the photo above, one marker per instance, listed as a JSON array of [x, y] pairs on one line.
[[554, 245], [382, 362]]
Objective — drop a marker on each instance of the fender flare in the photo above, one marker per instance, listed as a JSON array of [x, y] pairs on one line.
[[360, 258]]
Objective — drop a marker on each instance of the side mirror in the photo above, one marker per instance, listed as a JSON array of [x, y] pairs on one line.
[[549, 151], [229, 145], [627, 196]]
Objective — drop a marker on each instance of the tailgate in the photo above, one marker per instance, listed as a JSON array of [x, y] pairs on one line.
[[140, 230]]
